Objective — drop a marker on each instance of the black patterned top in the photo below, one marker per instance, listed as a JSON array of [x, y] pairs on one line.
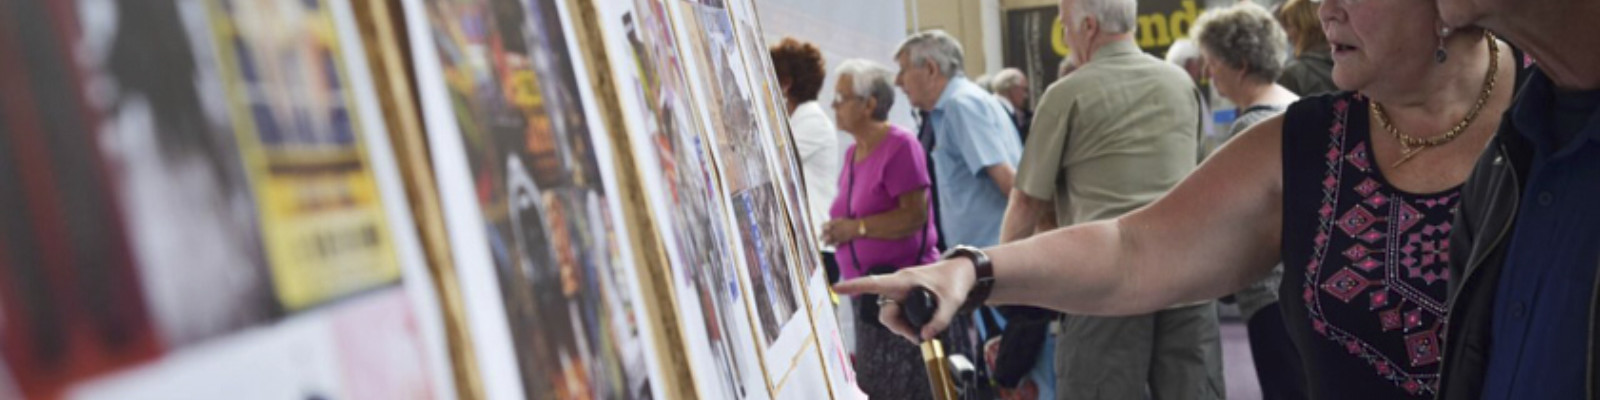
[[1365, 277]]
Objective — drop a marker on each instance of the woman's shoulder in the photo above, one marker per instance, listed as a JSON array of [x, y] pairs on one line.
[[810, 112]]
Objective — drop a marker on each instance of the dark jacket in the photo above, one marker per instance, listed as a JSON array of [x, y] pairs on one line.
[[1310, 73], [1478, 244]]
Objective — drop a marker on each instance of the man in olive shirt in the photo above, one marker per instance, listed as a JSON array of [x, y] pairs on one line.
[[1110, 138]]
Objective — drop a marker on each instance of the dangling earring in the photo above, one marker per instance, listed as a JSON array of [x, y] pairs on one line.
[[1440, 55]]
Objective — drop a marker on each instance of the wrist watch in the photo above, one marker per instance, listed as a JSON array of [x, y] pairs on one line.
[[861, 228], [983, 271]]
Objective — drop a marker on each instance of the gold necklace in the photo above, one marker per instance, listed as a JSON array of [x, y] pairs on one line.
[[1411, 145]]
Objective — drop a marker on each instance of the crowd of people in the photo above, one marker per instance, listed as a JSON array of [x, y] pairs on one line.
[[1399, 208]]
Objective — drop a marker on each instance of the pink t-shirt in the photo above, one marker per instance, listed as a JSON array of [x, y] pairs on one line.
[[898, 166]]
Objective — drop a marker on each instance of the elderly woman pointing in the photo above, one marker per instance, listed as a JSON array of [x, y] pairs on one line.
[[1353, 192]]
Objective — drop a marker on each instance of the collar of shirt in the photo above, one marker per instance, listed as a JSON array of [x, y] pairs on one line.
[[1115, 49], [957, 83], [1531, 116]]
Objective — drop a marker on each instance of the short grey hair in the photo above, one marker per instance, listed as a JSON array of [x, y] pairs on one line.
[[870, 80], [985, 81], [1244, 36], [1006, 79], [934, 46], [1115, 16], [1182, 51]]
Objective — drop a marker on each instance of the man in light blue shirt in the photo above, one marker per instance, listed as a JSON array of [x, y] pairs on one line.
[[977, 146]]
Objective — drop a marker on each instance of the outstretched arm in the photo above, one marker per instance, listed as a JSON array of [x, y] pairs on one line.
[[1214, 233]]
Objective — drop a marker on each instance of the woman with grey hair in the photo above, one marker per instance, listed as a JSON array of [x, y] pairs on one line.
[[880, 222], [1243, 49]]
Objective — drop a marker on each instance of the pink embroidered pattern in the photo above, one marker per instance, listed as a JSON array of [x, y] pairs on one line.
[[1385, 289]]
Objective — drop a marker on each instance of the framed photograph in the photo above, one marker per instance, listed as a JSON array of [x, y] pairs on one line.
[[525, 176], [836, 370], [773, 117], [381, 26], [678, 179], [322, 218]]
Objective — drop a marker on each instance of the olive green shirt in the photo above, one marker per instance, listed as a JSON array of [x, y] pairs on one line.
[[1111, 137]]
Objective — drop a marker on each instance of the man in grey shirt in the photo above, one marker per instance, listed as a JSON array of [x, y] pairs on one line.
[[1112, 137]]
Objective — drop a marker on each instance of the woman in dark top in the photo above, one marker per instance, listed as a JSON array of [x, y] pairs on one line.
[[1352, 191]]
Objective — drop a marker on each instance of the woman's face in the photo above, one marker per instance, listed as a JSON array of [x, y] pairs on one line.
[[848, 109], [1224, 79], [1382, 45]]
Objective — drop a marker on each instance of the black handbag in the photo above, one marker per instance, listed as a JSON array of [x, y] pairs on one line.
[[866, 305]]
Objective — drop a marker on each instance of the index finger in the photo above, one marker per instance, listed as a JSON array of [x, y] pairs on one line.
[[893, 286]]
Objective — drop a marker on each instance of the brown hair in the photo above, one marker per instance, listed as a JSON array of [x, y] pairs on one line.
[[800, 64], [1300, 21]]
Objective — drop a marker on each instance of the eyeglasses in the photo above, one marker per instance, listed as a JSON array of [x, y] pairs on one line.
[[839, 100]]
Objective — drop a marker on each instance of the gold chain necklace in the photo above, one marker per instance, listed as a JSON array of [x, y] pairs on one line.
[[1411, 145]]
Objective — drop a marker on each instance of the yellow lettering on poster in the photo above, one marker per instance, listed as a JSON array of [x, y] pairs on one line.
[[1182, 20], [1058, 38], [1161, 29], [1153, 31]]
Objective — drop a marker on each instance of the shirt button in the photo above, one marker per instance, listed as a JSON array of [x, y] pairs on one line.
[[1517, 310], [1545, 198]]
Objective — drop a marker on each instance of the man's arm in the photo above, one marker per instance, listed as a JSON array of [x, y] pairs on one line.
[[1004, 177], [1047, 222], [1023, 217], [980, 146]]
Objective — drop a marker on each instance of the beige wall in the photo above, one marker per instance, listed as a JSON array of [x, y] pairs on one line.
[[960, 18], [1010, 4], [964, 19]]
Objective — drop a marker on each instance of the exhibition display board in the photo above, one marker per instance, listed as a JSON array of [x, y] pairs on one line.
[[404, 199]]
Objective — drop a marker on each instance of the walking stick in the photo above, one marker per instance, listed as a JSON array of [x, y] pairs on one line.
[[918, 309]]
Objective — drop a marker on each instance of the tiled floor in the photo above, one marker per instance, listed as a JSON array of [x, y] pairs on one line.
[[1237, 366]]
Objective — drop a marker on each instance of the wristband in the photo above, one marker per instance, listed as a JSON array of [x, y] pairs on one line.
[[983, 272]]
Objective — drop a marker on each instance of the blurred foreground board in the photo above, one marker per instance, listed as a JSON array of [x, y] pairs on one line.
[[196, 182]]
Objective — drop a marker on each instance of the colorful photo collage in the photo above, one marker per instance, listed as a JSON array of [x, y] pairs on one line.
[[508, 71], [671, 143], [743, 153]]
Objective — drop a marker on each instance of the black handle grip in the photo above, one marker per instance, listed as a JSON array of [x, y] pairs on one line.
[[919, 307]]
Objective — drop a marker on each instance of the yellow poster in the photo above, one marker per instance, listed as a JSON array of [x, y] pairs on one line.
[[322, 216]]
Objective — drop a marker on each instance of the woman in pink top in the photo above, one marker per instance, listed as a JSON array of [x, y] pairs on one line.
[[880, 220]]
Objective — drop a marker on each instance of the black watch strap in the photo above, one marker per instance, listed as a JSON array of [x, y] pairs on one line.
[[983, 272]]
